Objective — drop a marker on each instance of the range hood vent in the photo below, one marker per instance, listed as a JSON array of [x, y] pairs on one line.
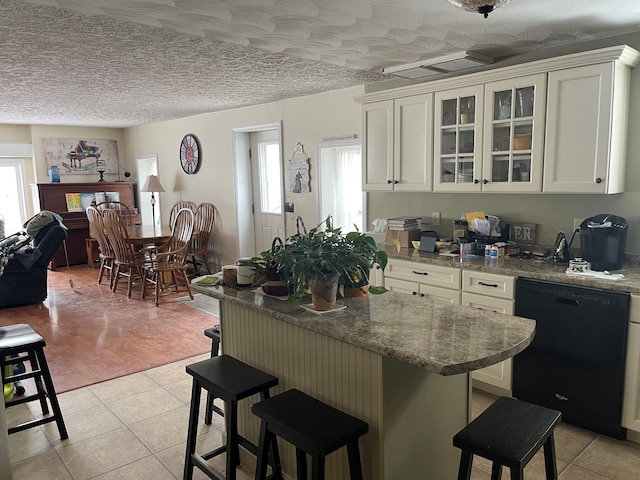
[[455, 62]]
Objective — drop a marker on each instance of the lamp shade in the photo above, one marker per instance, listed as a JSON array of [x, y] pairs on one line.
[[152, 184]]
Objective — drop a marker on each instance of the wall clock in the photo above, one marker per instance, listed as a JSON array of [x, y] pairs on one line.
[[190, 154]]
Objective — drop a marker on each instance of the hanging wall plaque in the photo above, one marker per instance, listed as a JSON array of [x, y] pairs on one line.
[[299, 181]]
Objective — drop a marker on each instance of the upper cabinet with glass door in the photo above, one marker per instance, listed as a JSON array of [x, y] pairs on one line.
[[458, 139], [514, 134]]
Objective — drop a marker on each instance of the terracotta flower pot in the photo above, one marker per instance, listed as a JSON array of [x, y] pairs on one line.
[[324, 291], [353, 292]]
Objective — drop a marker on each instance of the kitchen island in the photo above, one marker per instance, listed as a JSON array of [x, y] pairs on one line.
[[398, 362]]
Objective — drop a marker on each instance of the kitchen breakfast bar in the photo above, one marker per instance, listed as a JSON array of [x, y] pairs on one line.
[[400, 363]]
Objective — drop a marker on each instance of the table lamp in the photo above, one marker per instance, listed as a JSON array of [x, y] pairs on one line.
[[152, 185]]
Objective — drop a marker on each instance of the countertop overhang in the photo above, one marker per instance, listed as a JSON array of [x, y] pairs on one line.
[[443, 339]]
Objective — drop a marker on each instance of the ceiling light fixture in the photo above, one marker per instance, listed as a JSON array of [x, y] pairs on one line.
[[454, 62], [483, 7]]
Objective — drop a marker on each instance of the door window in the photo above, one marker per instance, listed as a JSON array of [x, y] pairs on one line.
[[12, 197]]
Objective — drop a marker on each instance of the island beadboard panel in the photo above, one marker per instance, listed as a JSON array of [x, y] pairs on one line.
[[397, 400], [342, 375]]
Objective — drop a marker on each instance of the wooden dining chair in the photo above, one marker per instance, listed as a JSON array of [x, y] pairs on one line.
[[203, 224], [179, 205], [127, 261], [107, 256], [122, 209], [170, 262]]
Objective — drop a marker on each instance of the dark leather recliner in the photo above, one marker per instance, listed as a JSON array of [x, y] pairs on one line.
[[24, 281]]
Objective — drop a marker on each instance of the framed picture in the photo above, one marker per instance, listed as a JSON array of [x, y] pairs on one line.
[[75, 156]]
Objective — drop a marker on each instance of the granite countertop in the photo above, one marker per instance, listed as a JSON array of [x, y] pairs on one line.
[[525, 268], [444, 339]]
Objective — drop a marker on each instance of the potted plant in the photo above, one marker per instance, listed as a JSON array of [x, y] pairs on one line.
[[267, 271], [326, 259]]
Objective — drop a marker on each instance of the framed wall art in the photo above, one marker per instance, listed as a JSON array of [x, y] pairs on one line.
[[75, 156]]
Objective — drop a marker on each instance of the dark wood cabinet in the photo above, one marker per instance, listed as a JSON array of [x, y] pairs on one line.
[[51, 196]]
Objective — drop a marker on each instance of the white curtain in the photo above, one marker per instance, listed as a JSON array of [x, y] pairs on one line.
[[341, 187]]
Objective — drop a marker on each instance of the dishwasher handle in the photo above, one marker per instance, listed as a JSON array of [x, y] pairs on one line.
[[572, 302]]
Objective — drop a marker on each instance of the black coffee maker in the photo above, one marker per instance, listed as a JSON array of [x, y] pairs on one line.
[[602, 240]]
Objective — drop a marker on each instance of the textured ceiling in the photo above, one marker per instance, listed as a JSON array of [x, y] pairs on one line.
[[119, 63]]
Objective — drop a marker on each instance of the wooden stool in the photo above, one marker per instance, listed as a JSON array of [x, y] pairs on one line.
[[313, 427], [510, 432], [214, 334], [231, 380], [19, 343]]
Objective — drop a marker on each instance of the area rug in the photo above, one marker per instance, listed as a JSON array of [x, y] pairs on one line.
[[201, 302]]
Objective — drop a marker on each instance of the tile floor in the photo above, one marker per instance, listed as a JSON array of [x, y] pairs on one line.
[[134, 427]]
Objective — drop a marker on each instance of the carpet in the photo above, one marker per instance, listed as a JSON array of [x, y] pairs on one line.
[[201, 302]]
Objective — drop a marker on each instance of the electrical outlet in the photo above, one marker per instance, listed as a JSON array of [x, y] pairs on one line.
[[435, 218], [576, 223]]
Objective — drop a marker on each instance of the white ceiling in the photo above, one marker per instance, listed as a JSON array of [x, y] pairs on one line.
[[118, 63]]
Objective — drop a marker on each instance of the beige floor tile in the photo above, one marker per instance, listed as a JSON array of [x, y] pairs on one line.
[[149, 468], [477, 474], [77, 400], [103, 454], [181, 389], [28, 443], [123, 387], [144, 405], [573, 472], [84, 425], [570, 441], [612, 458], [173, 459], [19, 414], [165, 430], [43, 467], [171, 373]]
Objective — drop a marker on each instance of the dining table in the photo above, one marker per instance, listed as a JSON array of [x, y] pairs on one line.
[[148, 234]]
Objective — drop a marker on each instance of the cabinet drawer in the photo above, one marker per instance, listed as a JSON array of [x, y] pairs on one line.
[[484, 283], [438, 294], [444, 277], [402, 286], [482, 302]]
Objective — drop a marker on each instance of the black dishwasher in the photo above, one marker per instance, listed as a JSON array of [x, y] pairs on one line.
[[575, 363]]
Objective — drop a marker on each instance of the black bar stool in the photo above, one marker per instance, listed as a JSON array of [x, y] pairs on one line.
[[19, 343], [510, 432], [231, 380], [214, 334], [313, 427]]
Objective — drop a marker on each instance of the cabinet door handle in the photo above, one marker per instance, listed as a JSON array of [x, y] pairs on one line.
[[598, 180], [389, 181], [396, 181], [485, 181], [494, 285], [414, 293], [475, 180], [422, 294], [419, 273]]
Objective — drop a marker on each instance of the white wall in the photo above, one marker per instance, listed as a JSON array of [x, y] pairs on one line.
[[307, 120]]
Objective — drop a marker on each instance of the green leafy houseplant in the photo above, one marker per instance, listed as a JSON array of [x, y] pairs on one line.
[[319, 252]]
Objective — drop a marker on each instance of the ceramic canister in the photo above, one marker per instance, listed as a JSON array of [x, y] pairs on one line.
[[578, 265]]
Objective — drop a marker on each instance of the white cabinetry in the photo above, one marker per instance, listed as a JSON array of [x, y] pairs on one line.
[[458, 139], [587, 113], [492, 292], [514, 134], [398, 144], [438, 283], [631, 399]]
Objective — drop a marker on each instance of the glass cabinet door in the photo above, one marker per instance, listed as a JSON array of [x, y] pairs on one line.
[[513, 152], [458, 138]]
